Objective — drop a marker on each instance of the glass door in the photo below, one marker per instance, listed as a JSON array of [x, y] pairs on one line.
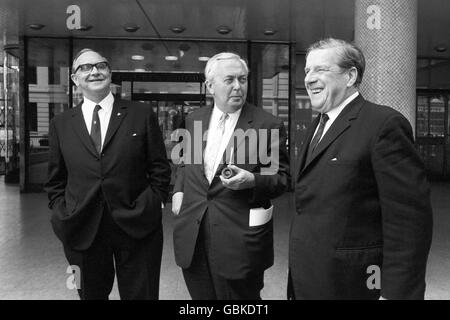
[[9, 118], [171, 95], [432, 132]]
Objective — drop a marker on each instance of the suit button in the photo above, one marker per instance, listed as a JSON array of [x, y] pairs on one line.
[[199, 221], [103, 154], [103, 178]]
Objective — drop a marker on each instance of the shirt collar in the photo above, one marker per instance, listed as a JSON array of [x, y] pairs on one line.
[[106, 103], [334, 113], [217, 113]]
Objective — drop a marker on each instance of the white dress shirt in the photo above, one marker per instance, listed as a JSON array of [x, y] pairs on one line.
[[334, 113], [104, 113], [230, 124]]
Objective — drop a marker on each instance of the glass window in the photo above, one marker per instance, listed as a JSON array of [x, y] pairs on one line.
[[47, 96], [422, 129], [270, 87], [437, 116], [9, 117]]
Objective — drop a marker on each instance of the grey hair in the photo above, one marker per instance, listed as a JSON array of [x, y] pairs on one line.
[[348, 53], [212, 63], [83, 51]]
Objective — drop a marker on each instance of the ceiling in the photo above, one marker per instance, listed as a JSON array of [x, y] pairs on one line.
[[299, 21]]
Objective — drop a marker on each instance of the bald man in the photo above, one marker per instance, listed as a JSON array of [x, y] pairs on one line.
[[107, 178]]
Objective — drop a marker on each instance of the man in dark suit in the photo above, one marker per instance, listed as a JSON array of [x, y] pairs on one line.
[[108, 178], [223, 234], [363, 215]]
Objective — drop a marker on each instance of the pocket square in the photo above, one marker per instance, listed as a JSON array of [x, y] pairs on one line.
[[334, 159], [134, 134]]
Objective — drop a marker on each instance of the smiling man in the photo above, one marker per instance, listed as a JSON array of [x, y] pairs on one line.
[[362, 199], [107, 177], [223, 233]]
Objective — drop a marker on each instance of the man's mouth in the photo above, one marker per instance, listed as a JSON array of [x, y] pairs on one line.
[[316, 90], [95, 80]]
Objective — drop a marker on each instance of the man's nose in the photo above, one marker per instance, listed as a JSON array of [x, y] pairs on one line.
[[309, 78], [96, 70], [236, 84]]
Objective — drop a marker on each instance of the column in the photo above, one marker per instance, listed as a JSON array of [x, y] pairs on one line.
[[386, 31]]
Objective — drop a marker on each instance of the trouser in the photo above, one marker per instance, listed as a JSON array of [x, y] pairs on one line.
[[204, 283], [136, 262]]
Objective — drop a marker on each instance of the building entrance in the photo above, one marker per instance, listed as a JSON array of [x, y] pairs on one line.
[[433, 131], [9, 118], [171, 95]]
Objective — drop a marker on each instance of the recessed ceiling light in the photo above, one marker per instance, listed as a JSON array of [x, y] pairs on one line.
[[269, 32], [129, 27], [177, 29], [203, 58], [171, 58], [85, 27], [36, 26], [137, 57], [223, 29], [440, 48]]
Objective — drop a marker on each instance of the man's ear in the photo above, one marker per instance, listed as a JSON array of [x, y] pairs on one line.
[[353, 75], [74, 79], [209, 86]]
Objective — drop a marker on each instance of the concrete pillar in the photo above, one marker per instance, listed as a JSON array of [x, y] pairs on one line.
[[386, 31]]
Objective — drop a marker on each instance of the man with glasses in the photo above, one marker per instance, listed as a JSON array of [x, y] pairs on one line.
[[108, 177], [363, 219]]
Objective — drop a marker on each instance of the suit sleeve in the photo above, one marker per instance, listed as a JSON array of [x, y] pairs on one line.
[[406, 210], [57, 171], [158, 167], [274, 177]]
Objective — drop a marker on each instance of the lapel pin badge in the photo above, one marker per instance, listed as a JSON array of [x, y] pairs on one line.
[[134, 134], [119, 114]]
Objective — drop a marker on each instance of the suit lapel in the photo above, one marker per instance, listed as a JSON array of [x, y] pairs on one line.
[[342, 123], [204, 117], [308, 139], [79, 126], [118, 113]]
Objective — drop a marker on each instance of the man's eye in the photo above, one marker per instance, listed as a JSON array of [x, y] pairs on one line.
[[85, 67], [228, 81]]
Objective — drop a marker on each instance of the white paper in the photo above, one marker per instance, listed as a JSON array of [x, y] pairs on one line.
[[260, 216]]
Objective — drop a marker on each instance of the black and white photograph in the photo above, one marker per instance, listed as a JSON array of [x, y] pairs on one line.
[[233, 156]]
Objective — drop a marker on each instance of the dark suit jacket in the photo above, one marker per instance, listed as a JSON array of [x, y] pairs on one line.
[[362, 200], [131, 176], [237, 248]]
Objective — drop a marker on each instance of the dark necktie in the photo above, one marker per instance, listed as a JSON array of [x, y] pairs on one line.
[[96, 133], [316, 139]]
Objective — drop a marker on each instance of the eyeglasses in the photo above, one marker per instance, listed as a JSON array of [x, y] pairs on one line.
[[87, 67]]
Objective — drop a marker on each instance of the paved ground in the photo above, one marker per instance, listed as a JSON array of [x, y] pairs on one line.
[[33, 266]]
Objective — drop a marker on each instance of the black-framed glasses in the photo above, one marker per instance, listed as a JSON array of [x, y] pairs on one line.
[[87, 67]]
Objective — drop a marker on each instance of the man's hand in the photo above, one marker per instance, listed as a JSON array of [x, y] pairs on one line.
[[177, 199], [242, 179]]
